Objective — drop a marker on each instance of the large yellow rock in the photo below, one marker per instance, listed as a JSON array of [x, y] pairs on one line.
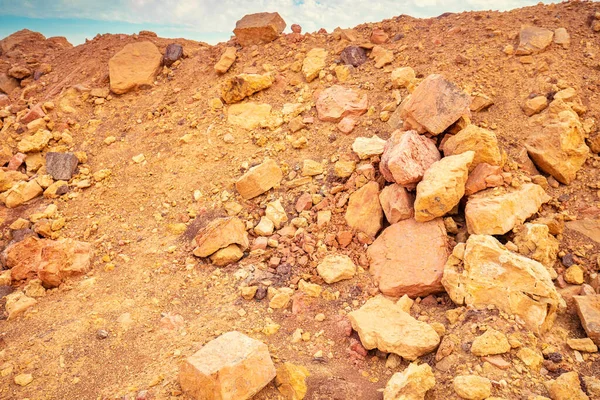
[[483, 142], [536, 242], [534, 39], [259, 179], [232, 366], [313, 63], [483, 272], [35, 142], [219, 234], [472, 387], [383, 324], [135, 66], [336, 267], [226, 60], [8, 179], [291, 381], [252, 115], [497, 211], [566, 387], [556, 142], [490, 343], [21, 193], [364, 212], [241, 86], [410, 384], [442, 186]]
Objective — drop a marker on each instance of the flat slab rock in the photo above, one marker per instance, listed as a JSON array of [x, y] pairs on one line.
[[337, 102], [588, 309], [259, 179], [409, 257], [232, 366]]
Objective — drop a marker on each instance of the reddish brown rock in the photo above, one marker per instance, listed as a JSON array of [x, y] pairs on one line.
[[33, 114], [378, 36], [409, 257], [258, 28], [4, 100], [588, 309], [397, 203], [364, 212], [135, 66], [23, 258], [353, 55], [435, 105], [406, 157], [479, 178], [7, 83], [337, 102]]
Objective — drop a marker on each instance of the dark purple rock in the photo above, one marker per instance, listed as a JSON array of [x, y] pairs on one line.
[[61, 166], [353, 55], [173, 53]]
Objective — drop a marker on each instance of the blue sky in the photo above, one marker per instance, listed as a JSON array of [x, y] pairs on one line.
[[211, 20]]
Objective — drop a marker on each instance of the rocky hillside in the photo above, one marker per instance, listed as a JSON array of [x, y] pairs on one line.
[[407, 210]]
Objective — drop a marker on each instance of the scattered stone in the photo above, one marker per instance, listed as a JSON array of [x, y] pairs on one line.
[[280, 300], [535, 105], [250, 115], [61, 166], [397, 203], [410, 384], [480, 102], [17, 303], [562, 37], [258, 28], [232, 366], [335, 268], [483, 176], [226, 61], [34, 143], [313, 63], [585, 345], [408, 258], [472, 387], [337, 102], [533, 39], [483, 142], [265, 227], [495, 213], [403, 77], [220, 233], [23, 379], [291, 381], [353, 55], [442, 186], [588, 309], [490, 343], [384, 325], [434, 105], [368, 147], [531, 358], [364, 212], [566, 387], [241, 86], [135, 66], [382, 56], [536, 242], [378, 36], [312, 168], [276, 213], [574, 275], [173, 52], [406, 157], [483, 272], [227, 255], [259, 179], [343, 169], [21, 193]]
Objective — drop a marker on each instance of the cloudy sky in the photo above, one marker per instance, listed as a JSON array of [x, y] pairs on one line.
[[212, 20]]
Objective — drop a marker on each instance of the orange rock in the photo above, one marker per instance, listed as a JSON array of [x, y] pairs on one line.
[[258, 28], [259, 179], [477, 180], [588, 309], [135, 66], [397, 203], [533, 39], [219, 234], [406, 157], [364, 212], [378, 36], [337, 102]]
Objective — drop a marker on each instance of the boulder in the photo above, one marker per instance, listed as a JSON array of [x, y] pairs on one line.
[[259, 179], [367, 147], [406, 157], [383, 324], [566, 387], [226, 61], [381, 56], [61, 166], [482, 141], [335, 268], [442, 186], [535, 105], [258, 28], [588, 309], [220, 233], [353, 55], [434, 105], [490, 343], [232, 366], [364, 212], [291, 381], [134, 67], [250, 115], [313, 63], [495, 211], [410, 384], [483, 272], [241, 86], [533, 39], [409, 257], [337, 102], [556, 142], [472, 387], [397, 203], [173, 52]]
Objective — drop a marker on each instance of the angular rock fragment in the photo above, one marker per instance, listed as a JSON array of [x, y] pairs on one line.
[[7, 83], [535, 105], [353, 55], [337, 102], [483, 176], [241, 86], [368, 147], [403, 77], [383, 324], [61, 166], [291, 381], [173, 52], [382, 56], [135, 66], [566, 387], [397, 203], [485, 273], [490, 343], [588, 309], [495, 212], [258, 28], [533, 39], [259, 179], [21, 193], [409, 257], [536, 242], [482, 141], [226, 61], [472, 387], [364, 212], [335, 268], [35, 142], [232, 366], [434, 105], [17, 303], [313, 63], [250, 115], [226, 255], [219, 234], [410, 384]]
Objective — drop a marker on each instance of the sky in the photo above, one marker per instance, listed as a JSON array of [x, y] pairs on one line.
[[212, 21]]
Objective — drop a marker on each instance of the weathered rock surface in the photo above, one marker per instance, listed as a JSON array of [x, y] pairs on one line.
[[35, 142], [241, 86], [366, 147], [219, 234], [490, 343], [434, 105], [488, 274], [291, 381], [536, 242], [17, 303], [61, 166], [442, 186], [472, 387], [226, 61], [381, 56], [258, 28], [250, 115], [409, 257], [483, 176], [7, 83], [337, 102], [382, 324], [482, 141], [406, 157], [535, 105], [173, 52], [313, 63], [493, 212], [566, 387], [259, 179], [410, 384], [21, 193], [335, 268], [232, 366], [403, 77], [353, 55], [586, 345], [533, 39], [364, 212], [588, 309], [227, 255], [397, 203], [135, 66], [587, 227]]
